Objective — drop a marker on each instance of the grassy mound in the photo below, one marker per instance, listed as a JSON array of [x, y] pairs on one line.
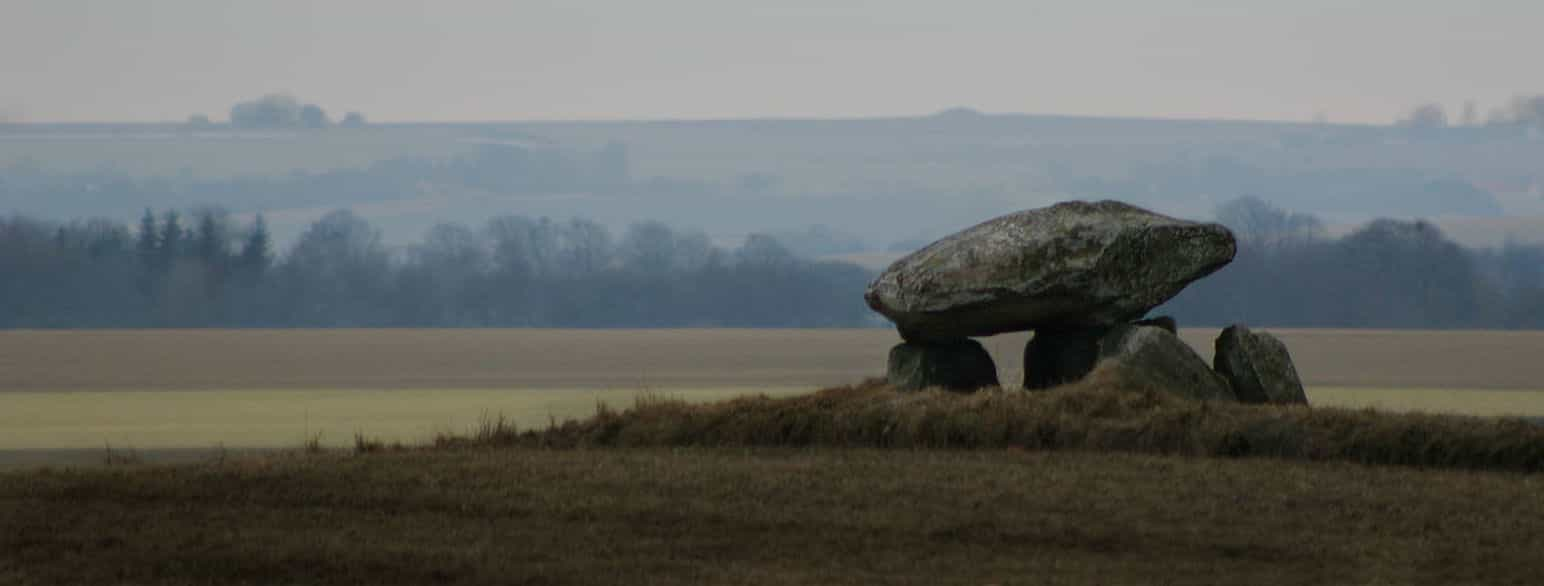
[[1098, 414]]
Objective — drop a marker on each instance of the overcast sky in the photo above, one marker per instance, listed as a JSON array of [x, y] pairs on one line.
[[141, 60]]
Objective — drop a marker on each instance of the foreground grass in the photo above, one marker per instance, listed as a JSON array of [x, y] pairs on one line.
[[1087, 484], [779, 516]]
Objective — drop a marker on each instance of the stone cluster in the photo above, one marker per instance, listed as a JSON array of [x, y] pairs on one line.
[[1080, 275]]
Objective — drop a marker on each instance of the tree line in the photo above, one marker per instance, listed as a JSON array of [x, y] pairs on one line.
[[204, 269], [1524, 112], [1386, 274], [279, 111]]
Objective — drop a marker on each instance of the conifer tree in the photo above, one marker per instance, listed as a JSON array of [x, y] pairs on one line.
[[146, 244], [172, 237], [256, 253]]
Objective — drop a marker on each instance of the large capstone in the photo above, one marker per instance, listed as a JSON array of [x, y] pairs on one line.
[[1153, 357], [1073, 264], [957, 365], [1258, 367]]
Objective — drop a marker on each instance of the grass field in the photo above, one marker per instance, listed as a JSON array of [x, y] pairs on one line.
[[154, 390], [289, 418], [256, 418], [1085, 485], [736, 516], [122, 360]]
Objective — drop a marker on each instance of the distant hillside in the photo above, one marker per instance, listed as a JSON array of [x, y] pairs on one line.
[[882, 181]]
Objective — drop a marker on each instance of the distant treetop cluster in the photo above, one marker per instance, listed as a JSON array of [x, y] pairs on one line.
[[280, 111], [1521, 112]]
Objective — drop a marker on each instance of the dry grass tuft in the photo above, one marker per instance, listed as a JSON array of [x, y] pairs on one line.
[[369, 445], [1098, 414], [120, 456]]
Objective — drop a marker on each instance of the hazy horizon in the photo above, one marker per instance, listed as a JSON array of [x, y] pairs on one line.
[[479, 60]]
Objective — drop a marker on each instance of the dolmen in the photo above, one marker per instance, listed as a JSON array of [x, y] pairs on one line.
[[1081, 276]]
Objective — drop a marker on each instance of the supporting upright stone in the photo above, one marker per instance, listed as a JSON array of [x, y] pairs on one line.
[[1060, 355], [957, 365], [1150, 355], [1258, 366], [1153, 357]]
